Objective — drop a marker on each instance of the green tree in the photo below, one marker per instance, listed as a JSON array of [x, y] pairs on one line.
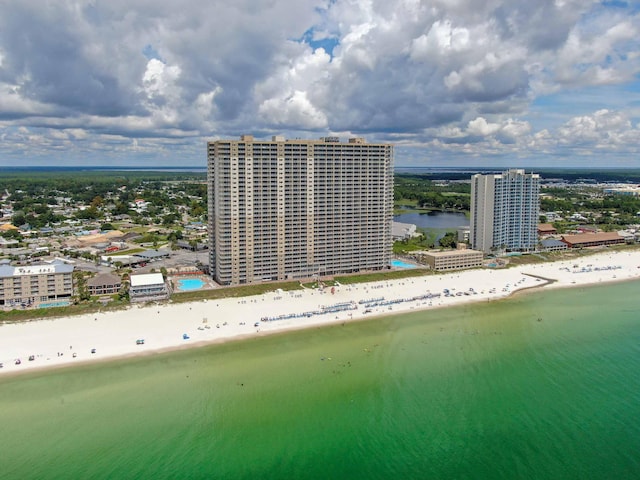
[[170, 219], [97, 201], [18, 219], [449, 240], [123, 293], [82, 290], [12, 235], [90, 213], [175, 235], [121, 208]]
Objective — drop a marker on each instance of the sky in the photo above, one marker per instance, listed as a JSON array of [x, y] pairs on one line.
[[448, 82]]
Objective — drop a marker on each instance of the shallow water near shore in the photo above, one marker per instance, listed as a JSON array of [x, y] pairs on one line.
[[543, 385]]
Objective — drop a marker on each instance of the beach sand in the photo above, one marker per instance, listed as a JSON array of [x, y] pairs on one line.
[[72, 340]]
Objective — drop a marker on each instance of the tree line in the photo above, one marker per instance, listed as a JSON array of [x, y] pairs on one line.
[[422, 192]]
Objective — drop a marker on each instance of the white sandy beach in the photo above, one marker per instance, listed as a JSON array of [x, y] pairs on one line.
[[70, 340]]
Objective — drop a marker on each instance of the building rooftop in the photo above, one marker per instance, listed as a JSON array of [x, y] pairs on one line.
[[10, 271], [280, 138], [591, 237], [104, 279], [552, 242], [545, 227], [145, 279], [444, 253]]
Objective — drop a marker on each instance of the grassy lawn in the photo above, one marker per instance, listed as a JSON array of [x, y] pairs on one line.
[[57, 312], [232, 292]]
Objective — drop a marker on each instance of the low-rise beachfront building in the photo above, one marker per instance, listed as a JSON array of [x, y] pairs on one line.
[[452, 259], [552, 245], [104, 284], [546, 229], [147, 287], [592, 239], [630, 235], [36, 285]]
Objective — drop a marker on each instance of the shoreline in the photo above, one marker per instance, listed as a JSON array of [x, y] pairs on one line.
[[68, 341]]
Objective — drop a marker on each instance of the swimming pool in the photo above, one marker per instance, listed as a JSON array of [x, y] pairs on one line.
[[187, 284], [401, 264], [59, 303]]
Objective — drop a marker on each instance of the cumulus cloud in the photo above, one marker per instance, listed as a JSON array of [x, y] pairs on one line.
[[481, 127], [600, 130], [459, 77]]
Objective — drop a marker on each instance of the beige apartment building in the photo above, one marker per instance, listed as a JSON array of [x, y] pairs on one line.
[[286, 209], [452, 259], [35, 285]]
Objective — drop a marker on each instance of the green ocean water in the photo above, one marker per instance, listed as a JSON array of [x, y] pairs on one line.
[[540, 386]]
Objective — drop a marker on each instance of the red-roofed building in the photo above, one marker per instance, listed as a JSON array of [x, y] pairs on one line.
[[592, 239], [546, 229]]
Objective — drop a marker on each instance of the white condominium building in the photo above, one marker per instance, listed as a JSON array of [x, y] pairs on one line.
[[505, 211], [285, 209]]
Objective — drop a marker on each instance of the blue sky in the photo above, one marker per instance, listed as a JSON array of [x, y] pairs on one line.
[[449, 82]]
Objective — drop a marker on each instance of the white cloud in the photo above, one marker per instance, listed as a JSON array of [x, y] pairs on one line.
[[295, 110], [442, 40], [602, 129], [454, 75], [515, 129], [159, 80], [479, 126]]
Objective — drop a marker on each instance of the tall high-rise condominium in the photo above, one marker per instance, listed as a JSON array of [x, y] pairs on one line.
[[285, 209], [505, 210]]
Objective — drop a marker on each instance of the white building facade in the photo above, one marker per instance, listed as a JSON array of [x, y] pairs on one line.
[[505, 210], [146, 287], [285, 209]]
